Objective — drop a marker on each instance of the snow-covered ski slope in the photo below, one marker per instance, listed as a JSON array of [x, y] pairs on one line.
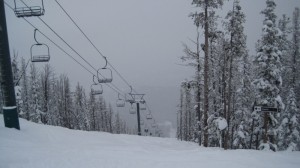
[[41, 146]]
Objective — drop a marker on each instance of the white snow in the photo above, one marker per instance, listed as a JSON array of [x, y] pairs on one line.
[[241, 134], [41, 146], [9, 107], [222, 123]]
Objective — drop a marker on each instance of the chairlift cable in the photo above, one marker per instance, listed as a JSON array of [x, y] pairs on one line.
[[92, 43], [116, 88], [65, 51]]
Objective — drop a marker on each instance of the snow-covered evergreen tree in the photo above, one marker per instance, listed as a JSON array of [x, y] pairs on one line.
[[288, 131], [34, 96], [268, 80], [239, 94], [295, 52], [65, 103], [45, 92], [92, 112], [80, 112], [53, 115], [16, 79], [296, 59], [202, 18], [24, 107]]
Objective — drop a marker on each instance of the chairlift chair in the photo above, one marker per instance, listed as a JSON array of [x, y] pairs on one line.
[[120, 102], [104, 79], [143, 107], [132, 110], [149, 116], [39, 52], [153, 125], [141, 122], [96, 88], [28, 11]]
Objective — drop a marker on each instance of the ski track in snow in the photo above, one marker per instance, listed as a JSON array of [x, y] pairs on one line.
[[41, 146]]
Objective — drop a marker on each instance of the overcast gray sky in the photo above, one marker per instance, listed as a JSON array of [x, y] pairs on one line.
[[142, 39]]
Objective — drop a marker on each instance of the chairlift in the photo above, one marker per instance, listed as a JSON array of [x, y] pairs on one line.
[[132, 110], [143, 107], [131, 98], [28, 11], [120, 102], [96, 87], [104, 79], [149, 116], [153, 125], [141, 122], [39, 52]]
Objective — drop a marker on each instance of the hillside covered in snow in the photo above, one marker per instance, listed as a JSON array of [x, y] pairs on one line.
[[42, 146]]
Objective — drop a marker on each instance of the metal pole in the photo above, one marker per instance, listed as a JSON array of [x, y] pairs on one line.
[[10, 113], [266, 117], [138, 118]]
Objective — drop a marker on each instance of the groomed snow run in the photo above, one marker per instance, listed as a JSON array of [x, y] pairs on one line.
[[41, 146]]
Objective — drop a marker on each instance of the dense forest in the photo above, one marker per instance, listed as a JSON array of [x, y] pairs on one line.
[[44, 97], [217, 106]]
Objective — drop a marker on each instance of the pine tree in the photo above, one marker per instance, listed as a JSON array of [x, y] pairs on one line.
[[79, 112], [34, 94], [45, 89], [202, 18], [296, 53], [236, 113], [16, 78], [180, 117], [296, 59], [117, 124], [193, 59], [268, 78], [24, 109], [65, 102], [288, 131], [285, 48], [53, 115], [110, 119], [92, 112]]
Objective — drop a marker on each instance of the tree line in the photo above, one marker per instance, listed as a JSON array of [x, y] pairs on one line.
[[217, 105], [46, 98]]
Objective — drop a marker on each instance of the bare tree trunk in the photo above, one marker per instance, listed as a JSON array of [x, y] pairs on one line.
[[266, 127]]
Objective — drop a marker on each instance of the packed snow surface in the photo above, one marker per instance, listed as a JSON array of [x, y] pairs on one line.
[[41, 146]]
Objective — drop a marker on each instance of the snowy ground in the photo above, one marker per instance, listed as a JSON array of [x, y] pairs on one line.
[[40, 146]]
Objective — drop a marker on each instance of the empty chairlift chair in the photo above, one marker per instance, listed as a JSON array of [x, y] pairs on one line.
[[153, 125], [25, 10], [96, 88], [132, 110], [141, 122], [143, 107], [102, 72], [39, 51], [149, 116], [120, 102]]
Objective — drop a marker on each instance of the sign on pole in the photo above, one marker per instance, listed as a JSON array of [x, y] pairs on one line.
[[265, 109]]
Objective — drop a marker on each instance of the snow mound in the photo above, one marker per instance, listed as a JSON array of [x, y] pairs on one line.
[[42, 146], [222, 123]]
